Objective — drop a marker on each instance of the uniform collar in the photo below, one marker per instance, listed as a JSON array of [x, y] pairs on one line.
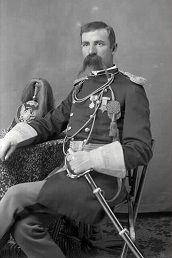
[[112, 69]]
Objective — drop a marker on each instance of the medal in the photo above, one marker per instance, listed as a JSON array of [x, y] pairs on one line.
[[114, 109], [114, 113], [104, 104], [114, 132], [92, 99]]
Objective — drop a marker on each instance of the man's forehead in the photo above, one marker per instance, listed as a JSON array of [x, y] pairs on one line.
[[100, 34]]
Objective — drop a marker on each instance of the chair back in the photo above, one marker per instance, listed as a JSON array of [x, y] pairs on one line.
[[136, 181]]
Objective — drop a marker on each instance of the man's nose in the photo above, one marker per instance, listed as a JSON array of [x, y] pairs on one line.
[[92, 49]]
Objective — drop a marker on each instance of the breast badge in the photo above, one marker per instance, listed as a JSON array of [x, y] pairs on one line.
[[114, 113], [114, 109]]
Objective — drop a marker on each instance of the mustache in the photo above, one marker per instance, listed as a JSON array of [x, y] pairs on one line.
[[92, 60]]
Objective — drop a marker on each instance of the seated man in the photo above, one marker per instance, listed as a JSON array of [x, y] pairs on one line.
[[106, 116]]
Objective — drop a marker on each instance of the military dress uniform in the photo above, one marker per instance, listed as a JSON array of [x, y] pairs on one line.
[[103, 108], [122, 114]]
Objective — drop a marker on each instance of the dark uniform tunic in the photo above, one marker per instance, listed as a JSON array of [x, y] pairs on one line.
[[73, 197]]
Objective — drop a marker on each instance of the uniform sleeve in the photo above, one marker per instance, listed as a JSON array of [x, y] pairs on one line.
[[54, 122], [136, 138]]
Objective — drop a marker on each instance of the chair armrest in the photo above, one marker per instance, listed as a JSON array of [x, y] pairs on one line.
[[30, 163]]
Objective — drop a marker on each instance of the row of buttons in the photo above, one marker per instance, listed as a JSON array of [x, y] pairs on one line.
[[86, 129], [69, 127]]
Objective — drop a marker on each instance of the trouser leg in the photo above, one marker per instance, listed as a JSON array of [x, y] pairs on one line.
[[34, 240], [15, 200]]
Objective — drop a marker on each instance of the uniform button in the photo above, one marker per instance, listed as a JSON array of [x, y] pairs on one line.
[[87, 129], [71, 114], [69, 128]]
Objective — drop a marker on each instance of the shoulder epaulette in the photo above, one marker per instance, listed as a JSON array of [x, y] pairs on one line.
[[136, 79], [82, 79]]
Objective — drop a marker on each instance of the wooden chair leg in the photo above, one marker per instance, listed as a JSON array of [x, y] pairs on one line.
[[124, 251], [131, 220], [131, 227]]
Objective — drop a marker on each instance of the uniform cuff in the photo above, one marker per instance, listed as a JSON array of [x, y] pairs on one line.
[[109, 159], [22, 132]]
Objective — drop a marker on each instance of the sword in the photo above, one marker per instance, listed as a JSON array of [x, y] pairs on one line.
[[123, 232]]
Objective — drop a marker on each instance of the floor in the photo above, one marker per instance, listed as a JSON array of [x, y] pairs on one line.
[[154, 237]]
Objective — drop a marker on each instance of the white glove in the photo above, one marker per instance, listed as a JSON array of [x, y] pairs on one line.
[[79, 161], [20, 134], [107, 159]]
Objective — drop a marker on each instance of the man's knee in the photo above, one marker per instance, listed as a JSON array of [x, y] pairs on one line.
[[27, 228], [23, 229], [33, 239]]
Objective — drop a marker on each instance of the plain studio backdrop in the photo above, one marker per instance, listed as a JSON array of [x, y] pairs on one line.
[[40, 38]]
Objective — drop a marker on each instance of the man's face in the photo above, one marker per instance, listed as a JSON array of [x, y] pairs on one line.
[[96, 43]]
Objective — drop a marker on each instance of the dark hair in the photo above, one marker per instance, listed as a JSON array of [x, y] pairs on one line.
[[96, 25], [45, 94]]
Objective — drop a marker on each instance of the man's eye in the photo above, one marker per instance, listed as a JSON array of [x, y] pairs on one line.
[[84, 44], [100, 43]]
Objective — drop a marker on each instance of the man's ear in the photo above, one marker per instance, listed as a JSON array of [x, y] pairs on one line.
[[114, 48]]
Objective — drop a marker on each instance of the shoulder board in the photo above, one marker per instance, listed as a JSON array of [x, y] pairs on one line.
[[79, 80], [136, 79]]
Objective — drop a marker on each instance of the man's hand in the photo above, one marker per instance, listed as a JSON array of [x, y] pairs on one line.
[[107, 159], [21, 134], [79, 161], [7, 147]]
